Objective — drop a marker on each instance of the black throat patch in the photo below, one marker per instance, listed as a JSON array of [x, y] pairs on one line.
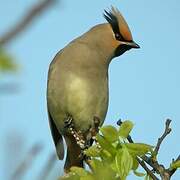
[[121, 49]]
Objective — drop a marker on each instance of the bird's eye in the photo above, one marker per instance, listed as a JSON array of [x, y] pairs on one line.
[[117, 36]]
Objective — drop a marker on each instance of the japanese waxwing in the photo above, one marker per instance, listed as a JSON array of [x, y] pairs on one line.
[[78, 82]]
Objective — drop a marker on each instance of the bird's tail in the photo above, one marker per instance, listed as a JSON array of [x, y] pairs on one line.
[[73, 157]]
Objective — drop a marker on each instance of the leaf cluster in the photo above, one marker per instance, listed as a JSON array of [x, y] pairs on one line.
[[6, 62], [112, 157]]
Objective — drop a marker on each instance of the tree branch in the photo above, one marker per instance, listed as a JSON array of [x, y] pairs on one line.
[[160, 140], [26, 162], [27, 19], [171, 172], [48, 167], [9, 88], [150, 172], [151, 161]]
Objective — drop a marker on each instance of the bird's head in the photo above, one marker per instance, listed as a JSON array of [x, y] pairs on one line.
[[121, 38]]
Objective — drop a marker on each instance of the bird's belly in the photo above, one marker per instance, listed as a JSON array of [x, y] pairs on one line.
[[86, 99]]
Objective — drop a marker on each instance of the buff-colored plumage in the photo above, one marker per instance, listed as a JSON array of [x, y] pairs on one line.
[[125, 31], [78, 81]]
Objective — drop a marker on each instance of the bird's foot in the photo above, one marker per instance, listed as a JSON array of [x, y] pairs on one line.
[[81, 140], [68, 122], [91, 136], [94, 130], [78, 135]]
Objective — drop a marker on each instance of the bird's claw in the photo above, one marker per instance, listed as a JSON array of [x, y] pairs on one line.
[[68, 122], [95, 128], [83, 142], [78, 136]]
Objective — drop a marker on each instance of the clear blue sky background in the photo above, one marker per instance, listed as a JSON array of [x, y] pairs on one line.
[[144, 83]]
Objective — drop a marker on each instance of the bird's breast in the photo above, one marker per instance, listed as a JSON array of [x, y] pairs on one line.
[[86, 98]]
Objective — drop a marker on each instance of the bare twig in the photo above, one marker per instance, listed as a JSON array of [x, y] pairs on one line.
[[149, 161], [48, 167], [172, 171], [27, 19], [9, 88], [150, 172], [160, 140], [160, 169], [27, 162]]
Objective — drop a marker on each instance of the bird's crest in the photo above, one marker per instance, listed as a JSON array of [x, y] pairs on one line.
[[118, 24]]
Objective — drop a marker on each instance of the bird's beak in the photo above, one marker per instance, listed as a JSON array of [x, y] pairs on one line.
[[131, 44]]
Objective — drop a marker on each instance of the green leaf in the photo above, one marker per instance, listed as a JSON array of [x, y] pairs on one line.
[[101, 169], [147, 177], [139, 174], [135, 163], [138, 149], [6, 61], [92, 151], [79, 171], [175, 165], [96, 164], [106, 155], [110, 133], [70, 176], [88, 177], [106, 145], [125, 128], [117, 164], [124, 163]]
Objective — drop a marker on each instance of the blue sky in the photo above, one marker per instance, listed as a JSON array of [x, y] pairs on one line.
[[144, 83]]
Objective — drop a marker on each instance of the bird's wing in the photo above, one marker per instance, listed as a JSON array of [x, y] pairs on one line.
[[57, 137]]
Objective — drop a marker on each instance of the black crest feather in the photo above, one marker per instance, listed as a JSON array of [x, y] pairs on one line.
[[113, 21]]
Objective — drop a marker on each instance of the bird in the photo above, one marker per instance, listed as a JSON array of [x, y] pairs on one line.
[[77, 86]]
